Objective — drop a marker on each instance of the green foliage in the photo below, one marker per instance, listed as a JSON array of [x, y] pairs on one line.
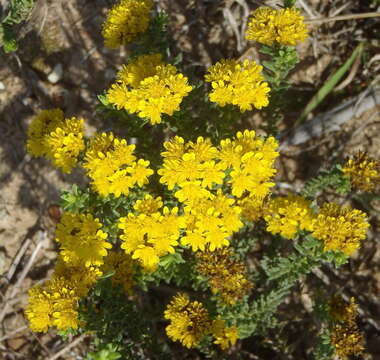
[[18, 11], [173, 269], [282, 272], [118, 323], [328, 179], [75, 200], [289, 3], [308, 255], [323, 350], [156, 38], [281, 60], [108, 209], [107, 353]]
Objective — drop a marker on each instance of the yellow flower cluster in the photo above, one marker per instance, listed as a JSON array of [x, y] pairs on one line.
[[227, 276], [192, 163], [125, 21], [252, 207], [340, 228], [211, 222], [363, 171], [251, 160], [112, 166], [59, 139], [238, 83], [81, 240], [225, 336], [190, 322], [149, 205], [198, 169], [345, 335], [286, 215], [56, 302], [121, 266], [149, 87], [147, 237], [284, 26]]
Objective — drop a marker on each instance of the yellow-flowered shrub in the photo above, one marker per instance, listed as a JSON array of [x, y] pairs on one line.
[[201, 217]]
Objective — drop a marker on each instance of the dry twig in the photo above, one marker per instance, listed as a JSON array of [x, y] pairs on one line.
[[68, 347], [343, 17]]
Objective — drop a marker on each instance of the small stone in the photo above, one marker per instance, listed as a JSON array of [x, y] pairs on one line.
[[110, 74], [3, 263], [2, 86], [56, 74]]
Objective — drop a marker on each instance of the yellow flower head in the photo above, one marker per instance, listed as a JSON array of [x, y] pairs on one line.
[[55, 304], [284, 26], [224, 336], [81, 240], [125, 21], [287, 215], [345, 335], [363, 171], [80, 277], [340, 311], [60, 140], [39, 310], [252, 207], [149, 205], [227, 276], [147, 237], [251, 160], [121, 265], [189, 321], [211, 222], [238, 83], [193, 166], [340, 228], [41, 126], [149, 88], [112, 166]]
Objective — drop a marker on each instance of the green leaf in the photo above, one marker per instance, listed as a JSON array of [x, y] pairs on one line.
[[330, 84], [289, 3], [10, 45], [9, 39]]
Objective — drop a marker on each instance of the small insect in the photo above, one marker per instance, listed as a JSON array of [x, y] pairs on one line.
[[55, 213]]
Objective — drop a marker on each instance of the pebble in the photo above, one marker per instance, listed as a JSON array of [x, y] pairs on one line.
[[110, 74], [2, 86], [56, 74]]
